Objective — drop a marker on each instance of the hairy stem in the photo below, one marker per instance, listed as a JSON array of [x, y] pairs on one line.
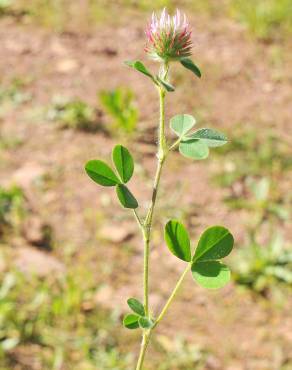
[[146, 236], [148, 220], [162, 152], [147, 225]]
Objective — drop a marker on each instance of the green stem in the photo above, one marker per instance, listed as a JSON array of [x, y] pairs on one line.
[[172, 296], [146, 236], [144, 346], [162, 152], [162, 141], [139, 222], [147, 225], [147, 334], [148, 220], [175, 144]]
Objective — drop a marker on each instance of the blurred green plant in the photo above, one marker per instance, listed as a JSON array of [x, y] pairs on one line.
[[5, 6], [148, 5], [250, 155], [59, 317], [11, 207], [75, 114], [180, 354], [15, 92], [52, 14], [251, 170], [120, 106], [257, 197], [252, 174], [9, 142], [266, 19], [263, 267]]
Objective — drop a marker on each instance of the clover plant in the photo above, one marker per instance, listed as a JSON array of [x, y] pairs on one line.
[[168, 41]]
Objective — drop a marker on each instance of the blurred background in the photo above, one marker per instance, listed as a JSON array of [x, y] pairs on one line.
[[70, 256]]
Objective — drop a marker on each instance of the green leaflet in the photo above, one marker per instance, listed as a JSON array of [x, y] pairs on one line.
[[211, 138], [177, 240], [189, 64], [126, 198], [182, 123], [140, 67], [211, 274], [194, 149], [131, 321], [136, 306], [101, 173], [215, 243], [124, 162]]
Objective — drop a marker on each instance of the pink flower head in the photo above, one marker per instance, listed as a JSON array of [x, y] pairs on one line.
[[169, 38]]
